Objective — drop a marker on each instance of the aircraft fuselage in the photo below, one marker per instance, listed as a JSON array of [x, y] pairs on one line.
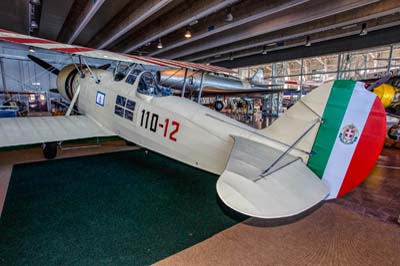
[[173, 126]]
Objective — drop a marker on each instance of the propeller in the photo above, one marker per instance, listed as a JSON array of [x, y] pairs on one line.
[[44, 64]]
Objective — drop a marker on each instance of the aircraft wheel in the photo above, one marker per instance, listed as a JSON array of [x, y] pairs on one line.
[[50, 150], [218, 105]]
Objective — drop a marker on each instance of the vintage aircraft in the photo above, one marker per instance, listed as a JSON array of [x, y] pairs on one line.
[[322, 148], [212, 84]]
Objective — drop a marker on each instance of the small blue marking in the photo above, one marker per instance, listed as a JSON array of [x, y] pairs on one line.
[[100, 98]]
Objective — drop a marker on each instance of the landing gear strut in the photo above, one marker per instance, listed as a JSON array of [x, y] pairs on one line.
[[50, 150]]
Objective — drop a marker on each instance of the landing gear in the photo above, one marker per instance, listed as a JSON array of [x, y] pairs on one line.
[[218, 105], [50, 150]]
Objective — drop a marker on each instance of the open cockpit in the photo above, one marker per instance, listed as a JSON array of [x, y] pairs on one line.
[[147, 84]]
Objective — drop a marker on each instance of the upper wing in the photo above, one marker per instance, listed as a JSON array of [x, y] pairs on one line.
[[31, 130], [289, 188], [13, 37]]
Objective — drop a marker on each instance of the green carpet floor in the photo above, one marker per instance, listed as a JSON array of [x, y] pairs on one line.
[[125, 208]]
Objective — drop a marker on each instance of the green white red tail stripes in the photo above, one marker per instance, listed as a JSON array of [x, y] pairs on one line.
[[350, 138]]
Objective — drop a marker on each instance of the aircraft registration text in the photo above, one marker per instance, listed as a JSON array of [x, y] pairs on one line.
[[151, 121]]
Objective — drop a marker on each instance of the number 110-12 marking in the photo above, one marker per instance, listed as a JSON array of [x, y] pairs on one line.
[[173, 125]]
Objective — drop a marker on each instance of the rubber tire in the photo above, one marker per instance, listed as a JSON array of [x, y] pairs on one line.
[[50, 150], [219, 105]]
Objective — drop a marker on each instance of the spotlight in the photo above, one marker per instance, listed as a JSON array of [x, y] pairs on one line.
[[231, 57], [228, 16], [308, 42], [35, 2], [159, 45], [31, 49], [364, 30], [188, 34], [264, 51], [34, 24]]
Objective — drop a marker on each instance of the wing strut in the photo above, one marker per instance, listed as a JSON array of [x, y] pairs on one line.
[[201, 86], [71, 105], [184, 83], [267, 171]]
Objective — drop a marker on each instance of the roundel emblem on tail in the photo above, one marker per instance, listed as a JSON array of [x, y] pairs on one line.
[[348, 134]]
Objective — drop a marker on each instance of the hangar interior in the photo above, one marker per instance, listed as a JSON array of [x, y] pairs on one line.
[[108, 200]]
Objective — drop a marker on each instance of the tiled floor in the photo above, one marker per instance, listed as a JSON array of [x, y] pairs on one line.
[[379, 195]]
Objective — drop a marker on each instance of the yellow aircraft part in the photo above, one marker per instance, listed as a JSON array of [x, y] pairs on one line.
[[385, 93]]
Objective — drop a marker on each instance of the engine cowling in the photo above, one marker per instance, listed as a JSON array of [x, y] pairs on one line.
[[65, 82]]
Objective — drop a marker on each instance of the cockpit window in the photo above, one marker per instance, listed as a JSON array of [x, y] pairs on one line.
[[148, 85], [132, 76], [120, 72]]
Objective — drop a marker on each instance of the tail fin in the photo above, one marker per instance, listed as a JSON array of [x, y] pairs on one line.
[[346, 145]]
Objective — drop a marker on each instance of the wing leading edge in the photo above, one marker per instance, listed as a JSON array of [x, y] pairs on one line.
[[32, 130], [9, 36], [290, 188]]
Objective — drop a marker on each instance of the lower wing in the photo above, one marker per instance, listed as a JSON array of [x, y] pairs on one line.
[[32, 130]]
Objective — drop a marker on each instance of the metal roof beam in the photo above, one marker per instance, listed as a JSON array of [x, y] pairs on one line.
[[198, 10], [71, 30], [147, 9], [247, 15], [359, 15], [322, 38], [307, 12]]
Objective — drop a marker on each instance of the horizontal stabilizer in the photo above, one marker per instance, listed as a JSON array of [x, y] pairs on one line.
[[288, 189]]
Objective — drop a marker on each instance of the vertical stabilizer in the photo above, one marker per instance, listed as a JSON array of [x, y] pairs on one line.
[[347, 143]]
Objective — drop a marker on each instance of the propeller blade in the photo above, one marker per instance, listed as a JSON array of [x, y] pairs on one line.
[[44, 64]]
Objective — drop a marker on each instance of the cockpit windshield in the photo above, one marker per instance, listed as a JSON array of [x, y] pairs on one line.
[[120, 72], [147, 84]]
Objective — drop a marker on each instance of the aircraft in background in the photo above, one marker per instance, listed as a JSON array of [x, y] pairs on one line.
[[317, 150], [212, 84]]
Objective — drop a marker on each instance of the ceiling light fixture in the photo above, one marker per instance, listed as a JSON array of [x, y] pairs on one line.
[[188, 34], [159, 45], [364, 30], [34, 24], [35, 2], [228, 16], [264, 51], [308, 42]]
